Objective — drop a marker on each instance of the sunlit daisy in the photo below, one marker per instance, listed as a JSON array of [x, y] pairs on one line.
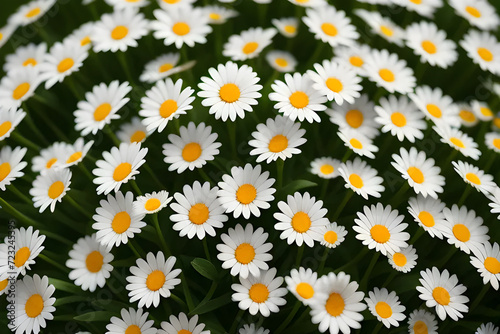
[[281, 61], [458, 140], [428, 213], [19, 85], [28, 55], [488, 328], [356, 141], [248, 44], [492, 141], [482, 110], [382, 26], [353, 56], [151, 202], [475, 177], [52, 157], [160, 67], [133, 132], [421, 321], [332, 235], [385, 306], [361, 178], [330, 25], [479, 13], [302, 283], [31, 12], [467, 116], [287, 26], [404, 260], [50, 188], [11, 164], [183, 325], [423, 7], [76, 152], [483, 48], [325, 167], [131, 321], [436, 106], [218, 14], [487, 261]]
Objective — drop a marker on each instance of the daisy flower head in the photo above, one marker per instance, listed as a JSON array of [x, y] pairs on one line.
[[218, 14], [124, 4], [100, 106], [230, 90], [389, 72], [245, 251], [76, 152], [404, 260], [309, 3], [442, 291], [116, 220], [119, 166], [151, 202], [287, 26], [160, 67], [488, 328], [361, 178], [131, 320], [167, 5], [302, 284], [335, 81], [428, 213], [82, 34], [260, 294], [487, 261], [11, 164], [483, 48], [492, 141], [325, 167], [352, 56], [494, 197], [165, 101], [252, 329], [332, 235], [421, 321], [192, 149], [52, 157], [181, 25], [436, 106], [197, 211], [458, 140], [151, 279], [31, 12], [381, 228], [133, 131], [385, 306], [430, 43], [297, 98], [248, 44], [467, 116], [19, 85], [281, 61], [423, 7], [421, 172], [182, 324], [479, 13], [338, 304], [50, 188], [90, 263], [330, 25], [382, 26], [475, 177], [27, 55], [356, 141], [482, 110], [119, 30], [6, 32]]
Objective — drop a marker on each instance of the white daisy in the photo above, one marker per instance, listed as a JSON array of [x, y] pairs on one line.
[[479, 13], [248, 44], [423, 7], [172, 4], [482, 110], [488, 328], [475, 177], [352, 56], [218, 14], [19, 85], [492, 141], [82, 34], [421, 321], [281, 61], [31, 12], [330, 25], [287, 26], [302, 284], [495, 201], [123, 4], [361, 178], [52, 157], [131, 321], [252, 329], [458, 140], [6, 32], [183, 325], [325, 167], [50, 188], [309, 3], [160, 67], [385, 306], [436, 106], [11, 164], [483, 48], [487, 261], [28, 55], [382, 26], [133, 132], [428, 213], [404, 260], [76, 152], [356, 141], [467, 116], [151, 203], [332, 235]]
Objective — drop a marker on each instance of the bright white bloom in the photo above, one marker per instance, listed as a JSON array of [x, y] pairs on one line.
[[488, 328], [385, 306], [382, 26], [428, 213], [248, 44], [495, 201], [218, 14], [487, 261], [18, 86], [492, 140], [479, 13], [475, 177], [423, 7], [325, 167], [483, 48], [458, 140], [76, 152], [332, 235], [330, 25], [421, 321], [302, 284], [281, 61], [160, 67], [404, 260], [151, 203], [82, 34], [11, 164], [182, 324], [356, 141], [7, 31], [287, 26], [168, 5], [131, 320], [482, 110], [123, 4], [353, 56], [50, 188], [436, 106], [28, 55], [361, 178], [31, 12], [467, 116], [133, 132]]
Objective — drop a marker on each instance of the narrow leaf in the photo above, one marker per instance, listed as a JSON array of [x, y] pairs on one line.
[[205, 268]]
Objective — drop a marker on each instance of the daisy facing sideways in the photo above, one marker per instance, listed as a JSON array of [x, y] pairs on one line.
[[287, 26], [475, 177], [436, 106], [50, 188], [458, 140], [302, 283], [19, 85], [382, 26], [131, 320], [29, 55], [133, 131], [356, 141], [160, 67], [325, 167], [11, 164], [421, 321], [428, 213], [152, 202], [352, 56], [404, 260], [386, 307], [483, 48], [248, 44], [281, 61], [361, 178], [487, 261]]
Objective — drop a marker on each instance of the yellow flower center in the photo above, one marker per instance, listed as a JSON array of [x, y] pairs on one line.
[[3, 284], [165, 67], [122, 171], [335, 304], [387, 31], [258, 293], [119, 32], [290, 29], [486, 111], [380, 233], [330, 237], [416, 2], [457, 142], [56, 189], [229, 93], [155, 280], [473, 11], [250, 47], [399, 259], [137, 136], [305, 290], [94, 261], [152, 204], [467, 116], [278, 143], [184, 331], [356, 61], [121, 222], [329, 29], [496, 143], [34, 306], [326, 169], [492, 265], [50, 163], [429, 47], [301, 222], [354, 118], [168, 107], [102, 111], [65, 64], [383, 310], [171, 2], [133, 329], [441, 296], [181, 28], [416, 175], [485, 54], [473, 178], [244, 253], [334, 85], [84, 41], [214, 16], [386, 75], [461, 232], [246, 193], [74, 157], [5, 127], [281, 62], [20, 91], [299, 100], [22, 255], [426, 219], [4, 170], [496, 122], [398, 119], [420, 328], [33, 12], [191, 152], [356, 144], [434, 110], [30, 61], [356, 181], [199, 213]]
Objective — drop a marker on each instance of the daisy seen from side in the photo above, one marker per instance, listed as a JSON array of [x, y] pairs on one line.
[[385, 306], [11, 164], [28, 55], [287, 26], [361, 178], [436, 106], [356, 141], [31, 12], [325, 167], [281, 61], [382, 26], [160, 67], [492, 141], [487, 261], [302, 284], [133, 131], [248, 44], [475, 177], [428, 213], [19, 85], [50, 188], [483, 48], [151, 202], [458, 141]]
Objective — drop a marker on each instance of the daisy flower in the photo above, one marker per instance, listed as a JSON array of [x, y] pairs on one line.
[[475, 177], [400, 117], [192, 149], [389, 72], [123, 4], [309, 3], [160, 67], [488, 328], [245, 251], [325, 167], [421, 173], [361, 178], [133, 132], [442, 291], [218, 14], [100, 106], [131, 321], [281, 61], [338, 304], [494, 197], [332, 235], [385, 306], [464, 229], [423, 7], [437, 107], [260, 294], [248, 44], [167, 5], [467, 116], [230, 91], [483, 48], [119, 166], [76, 152], [482, 110], [152, 279], [28, 55], [302, 284], [182, 324], [382, 26], [119, 30], [6, 32], [330, 25], [181, 25], [50, 188], [458, 140], [356, 141], [90, 263], [19, 85], [31, 12], [421, 321], [297, 98], [428, 213], [492, 141], [336, 81], [82, 34], [279, 138], [381, 228], [404, 260], [3, 286], [197, 211], [151, 203], [479, 13], [352, 56], [487, 261], [287, 26], [11, 164], [52, 157], [252, 329]]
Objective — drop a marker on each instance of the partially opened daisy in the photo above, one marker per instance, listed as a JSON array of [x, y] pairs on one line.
[[50, 188], [428, 213], [330, 25], [302, 283], [160, 67], [133, 132], [475, 177], [192, 149], [261, 294], [488, 328], [279, 138], [423, 7], [385, 306], [482, 110], [479, 13], [421, 172], [116, 220], [492, 141], [332, 235], [245, 251], [359, 143], [421, 321], [361, 178], [483, 48], [198, 211], [436, 106], [76, 152], [325, 167], [90, 263], [151, 279], [382, 26], [219, 15], [404, 260], [442, 291], [31, 12], [230, 90], [487, 261], [29, 55], [19, 85], [458, 140], [131, 320], [287, 26], [248, 44], [11, 164], [281, 61], [119, 166], [182, 324], [151, 202]]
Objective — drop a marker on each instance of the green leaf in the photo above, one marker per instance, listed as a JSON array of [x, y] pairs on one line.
[[65, 286], [95, 316], [69, 300], [212, 304], [205, 268], [294, 186]]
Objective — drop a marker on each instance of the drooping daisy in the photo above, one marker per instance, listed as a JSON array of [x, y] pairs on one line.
[[309, 3], [385, 306], [245, 251], [483, 48], [487, 261], [482, 110], [382, 26], [488, 328], [421, 321], [479, 13], [357, 142], [302, 284], [218, 14], [442, 291], [118, 167], [361, 178], [404, 260], [11, 164], [90, 262], [260, 294], [492, 140], [152, 279], [76, 152], [160, 67], [123, 4], [458, 140], [332, 235], [287, 26], [182, 324], [50, 188], [19, 85], [31, 12], [428, 213], [52, 157], [230, 91], [252, 329], [423, 7], [281, 61], [338, 304], [28, 55], [131, 321], [152, 202], [335, 81], [467, 115], [436, 106], [325, 167], [353, 56], [197, 211], [133, 132], [475, 177], [248, 44]]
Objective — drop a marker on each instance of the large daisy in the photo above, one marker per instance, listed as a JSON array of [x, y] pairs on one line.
[[19, 85], [483, 48], [479, 13], [436, 106]]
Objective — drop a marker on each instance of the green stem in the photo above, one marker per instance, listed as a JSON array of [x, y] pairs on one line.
[[324, 188], [34, 128], [73, 88], [135, 187], [399, 196], [187, 293], [289, 318], [323, 259], [490, 162], [52, 262], [134, 250], [17, 214], [111, 135], [236, 321], [178, 300], [155, 179], [315, 58], [78, 207], [377, 328], [479, 297], [300, 253], [364, 280], [205, 248], [231, 129], [465, 194], [280, 163], [210, 292], [204, 175], [346, 199], [123, 61], [19, 194], [25, 141], [347, 155], [417, 235], [164, 245], [86, 171]]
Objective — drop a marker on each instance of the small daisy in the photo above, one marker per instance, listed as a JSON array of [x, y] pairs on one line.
[[475, 177], [428, 213], [421, 321], [421, 173], [182, 324], [287, 26], [336, 81], [260, 294], [353, 56], [218, 14], [246, 190], [82, 34], [332, 235], [151, 203], [11, 164], [118, 167], [437, 107], [18, 86], [483, 48], [381, 228], [487, 262], [252, 329], [168, 5], [50, 188], [492, 141], [197, 211], [230, 90], [100, 106], [423, 7], [325, 167], [248, 44], [152, 279], [385, 306], [281, 61], [192, 149], [131, 321], [382, 26], [123, 4], [245, 251], [133, 132], [31, 12], [52, 157], [467, 116], [356, 141], [404, 260], [116, 221], [330, 25], [302, 284], [442, 291], [28, 55], [479, 13], [361, 178], [482, 110], [458, 140], [90, 263], [488, 328], [160, 67], [309, 3], [76, 152]]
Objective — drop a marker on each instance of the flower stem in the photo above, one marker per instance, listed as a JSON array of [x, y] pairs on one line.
[[78, 206], [204, 175], [134, 250], [399, 196], [291, 315], [465, 194], [300, 253], [231, 129], [324, 188], [236, 321], [323, 259], [25, 141], [364, 280], [19, 194], [346, 199], [52, 262], [280, 163], [479, 297], [205, 248], [178, 300], [123, 62], [135, 187], [164, 245]]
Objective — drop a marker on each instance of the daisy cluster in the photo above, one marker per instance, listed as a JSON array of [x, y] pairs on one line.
[[255, 166]]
